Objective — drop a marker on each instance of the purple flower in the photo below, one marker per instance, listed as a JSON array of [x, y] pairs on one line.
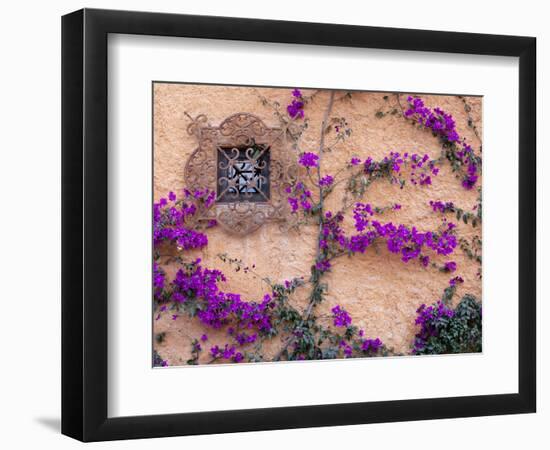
[[306, 205], [296, 107], [425, 180], [371, 345], [326, 181], [204, 338], [469, 181], [308, 159], [228, 352], [158, 282], [453, 136], [450, 266], [178, 297], [355, 161], [323, 265], [439, 206], [340, 316], [293, 202], [361, 214], [456, 280]]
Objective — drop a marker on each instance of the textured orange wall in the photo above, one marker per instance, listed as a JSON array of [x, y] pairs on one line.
[[379, 291]]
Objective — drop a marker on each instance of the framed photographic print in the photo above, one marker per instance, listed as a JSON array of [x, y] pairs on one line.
[[274, 225]]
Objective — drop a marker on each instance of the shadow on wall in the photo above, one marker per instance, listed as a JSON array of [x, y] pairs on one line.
[[52, 423]]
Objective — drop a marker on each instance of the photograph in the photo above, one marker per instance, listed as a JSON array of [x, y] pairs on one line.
[[295, 224]]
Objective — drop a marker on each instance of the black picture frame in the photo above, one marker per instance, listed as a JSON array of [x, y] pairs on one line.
[[84, 224]]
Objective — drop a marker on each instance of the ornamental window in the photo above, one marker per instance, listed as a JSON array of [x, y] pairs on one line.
[[248, 165]]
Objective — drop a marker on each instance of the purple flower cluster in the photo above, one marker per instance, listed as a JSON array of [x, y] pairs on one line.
[[422, 167], [323, 265], [206, 196], [243, 338], [426, 313], [450, 266], [427, 318], [170, 217], [195, 282], [214, 307], [437, 120], [361, 214], [331, 231], [408, 241], [296, 107], [443, 125], [308, 159], [348, 349], [470, 179], [340, 316], [326, 181], [299, 197], [456, 280], [348, 343], [442, 206], [158, 281], [400, 239], [228, 352], [371, 345]]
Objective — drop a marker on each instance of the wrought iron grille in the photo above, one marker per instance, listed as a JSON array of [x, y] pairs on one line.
[[243, 174]]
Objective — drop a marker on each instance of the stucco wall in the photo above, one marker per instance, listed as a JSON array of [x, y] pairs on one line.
[[379, 291]]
